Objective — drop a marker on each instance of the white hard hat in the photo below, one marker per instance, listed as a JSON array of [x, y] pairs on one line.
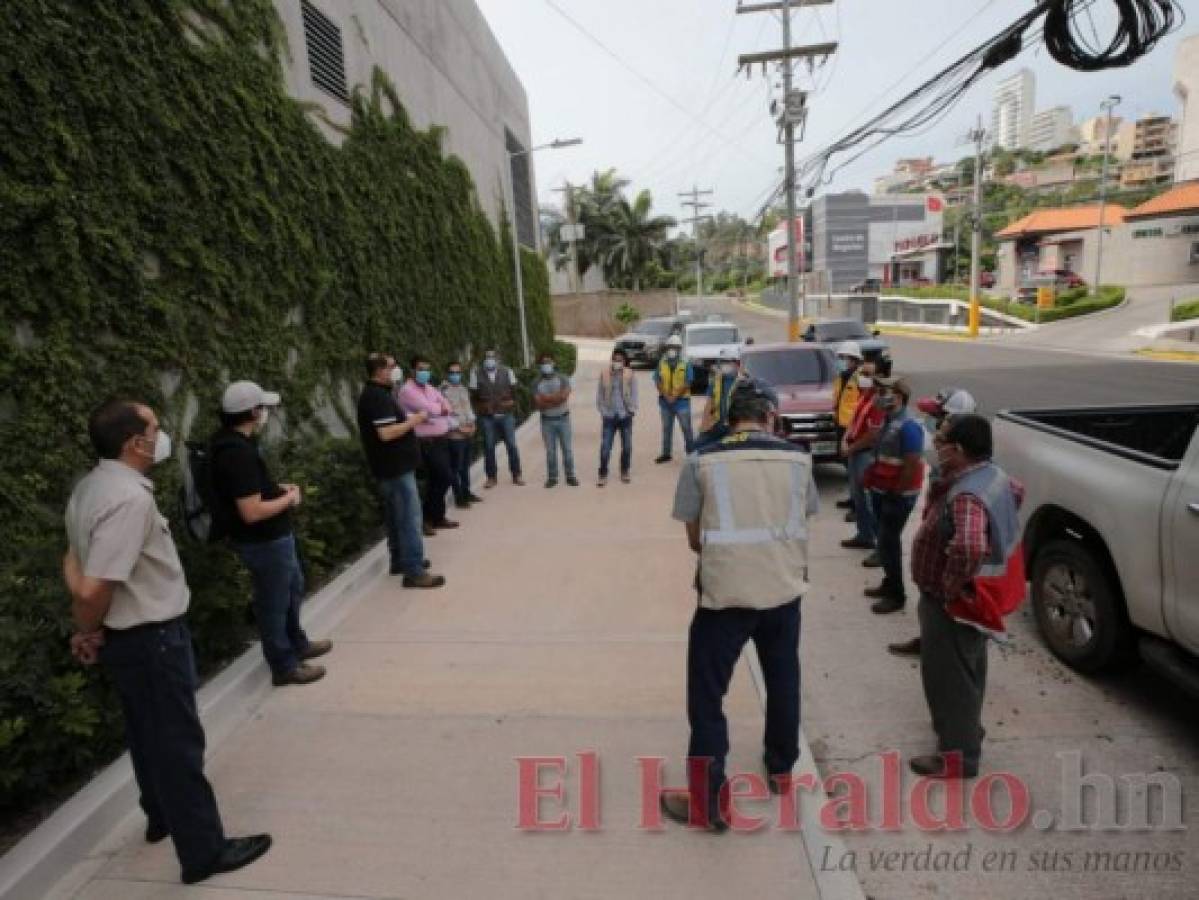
[[674, 341], [948, 401], [730, 353], [851, 348]]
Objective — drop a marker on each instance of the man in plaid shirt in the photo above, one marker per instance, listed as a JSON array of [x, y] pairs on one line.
[[968, 563]]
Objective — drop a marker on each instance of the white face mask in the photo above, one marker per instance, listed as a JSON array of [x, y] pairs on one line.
[[672, 354], [264, 417], [728, 369], [162, 447], [617, 365], [490, 363], [865, 381], [397, 375]]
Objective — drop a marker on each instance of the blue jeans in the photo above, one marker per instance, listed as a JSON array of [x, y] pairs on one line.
[[278, 591], [555, 431], [672, 412], [460, 467], [891, 512], [863, 508], [402, 512], [713, 649], [608, 438], [505, 428]]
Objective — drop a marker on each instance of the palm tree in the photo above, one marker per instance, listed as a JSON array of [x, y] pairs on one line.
[[632, 239]]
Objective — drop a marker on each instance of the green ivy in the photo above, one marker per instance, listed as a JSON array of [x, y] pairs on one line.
[[170, 219]]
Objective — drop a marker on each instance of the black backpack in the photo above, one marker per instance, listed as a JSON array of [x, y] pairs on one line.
[[203, 514]]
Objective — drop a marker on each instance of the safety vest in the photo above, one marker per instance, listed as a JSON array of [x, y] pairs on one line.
[[848, 394], [626, 386], [753, 524], [999, 586], [722, 391], [883, 474], [672, 380]]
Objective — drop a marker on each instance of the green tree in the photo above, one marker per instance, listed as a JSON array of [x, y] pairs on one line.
[[633, 238]]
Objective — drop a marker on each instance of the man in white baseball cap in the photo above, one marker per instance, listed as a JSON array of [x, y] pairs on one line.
[[257, 511]]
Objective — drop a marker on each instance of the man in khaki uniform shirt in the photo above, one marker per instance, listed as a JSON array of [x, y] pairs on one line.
[[129, 598]]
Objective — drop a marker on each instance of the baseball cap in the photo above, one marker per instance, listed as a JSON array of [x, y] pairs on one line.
[[948, 401], [850, 348], [896, 383], [754, 389], [242, 396]]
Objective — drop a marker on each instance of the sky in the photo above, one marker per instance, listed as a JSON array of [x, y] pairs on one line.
[[662, 102]]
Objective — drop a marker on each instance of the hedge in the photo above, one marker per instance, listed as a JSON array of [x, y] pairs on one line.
[[170, 219], [1184, 311]]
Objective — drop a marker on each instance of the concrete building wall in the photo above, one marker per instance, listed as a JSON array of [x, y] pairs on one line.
[[1186, 89], [447, 68]]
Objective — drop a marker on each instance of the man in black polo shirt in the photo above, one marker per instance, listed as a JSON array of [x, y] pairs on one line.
[[393, 453], [259, 514]]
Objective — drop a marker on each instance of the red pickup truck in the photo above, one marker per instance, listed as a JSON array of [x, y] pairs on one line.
[[805, 377]]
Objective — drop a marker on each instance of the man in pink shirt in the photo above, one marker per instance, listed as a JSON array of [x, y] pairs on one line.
[[419, 395]]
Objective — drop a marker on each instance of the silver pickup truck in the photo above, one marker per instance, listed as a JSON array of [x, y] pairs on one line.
[[1111, 532]]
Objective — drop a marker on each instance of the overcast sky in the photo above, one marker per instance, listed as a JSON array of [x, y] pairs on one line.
[[711, 127]]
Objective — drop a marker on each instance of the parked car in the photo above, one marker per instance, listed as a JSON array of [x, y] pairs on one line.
[[804, 376], [702, 344], [868, 286], [1063, 278], [834, 331], [647, 341], [1111, 531]]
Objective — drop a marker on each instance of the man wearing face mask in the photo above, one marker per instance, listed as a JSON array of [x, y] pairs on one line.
[[493, 387], [968, 562], [551, 396], [418, 395], [857, 446], [462, 436], [129, 604], [673, 379], [393, 454], [895, 478], [616, 401], [258, 510], [714, 424]]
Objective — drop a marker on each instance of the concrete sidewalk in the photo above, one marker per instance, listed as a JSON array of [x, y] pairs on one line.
[[562, 630]]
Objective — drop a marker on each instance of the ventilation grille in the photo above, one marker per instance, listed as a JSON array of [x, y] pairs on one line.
[[326, 58]]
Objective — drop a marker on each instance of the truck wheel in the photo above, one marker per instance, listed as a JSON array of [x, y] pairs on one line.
[[1079, 608]]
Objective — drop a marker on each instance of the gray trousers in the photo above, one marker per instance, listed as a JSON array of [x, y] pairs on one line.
[[953, 668]]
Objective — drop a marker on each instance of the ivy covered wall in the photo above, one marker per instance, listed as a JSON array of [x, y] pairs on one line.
[[170, 220]]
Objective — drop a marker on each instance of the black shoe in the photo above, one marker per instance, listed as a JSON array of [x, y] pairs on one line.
[[473, 498], [938, 765], [664, 458], [236, 854], [428, 530], [872, 561], [444, 524], [572, 481], [882, 592], [887, 605], [907, 648], [551, 482], [851, 516], [845, 504], [462, 504], [156, 833], [857, 543], [424, 564]]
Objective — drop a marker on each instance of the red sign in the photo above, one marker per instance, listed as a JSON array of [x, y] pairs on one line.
[[935, 204], [915, 243]]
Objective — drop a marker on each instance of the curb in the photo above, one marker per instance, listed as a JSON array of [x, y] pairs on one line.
[[47, 855]]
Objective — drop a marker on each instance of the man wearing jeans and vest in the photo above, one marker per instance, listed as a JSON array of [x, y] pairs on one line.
[[745, 500], [894, 479], [494, 388], [969, 565], [673, 379], [129, 602]]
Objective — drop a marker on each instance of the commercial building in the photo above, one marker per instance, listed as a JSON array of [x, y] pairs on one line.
[[1012, 111], [1052, 128], [448, 70], [1050, 239], [896, 239], [1186, 89], [1094, 136]]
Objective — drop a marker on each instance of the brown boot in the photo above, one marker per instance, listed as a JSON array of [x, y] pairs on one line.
[[676, 806], [423, 581], [489, 483], [317, 648], [301, 674]]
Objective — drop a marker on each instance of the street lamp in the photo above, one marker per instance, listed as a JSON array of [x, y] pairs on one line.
[[520, 283], [1109, 104]]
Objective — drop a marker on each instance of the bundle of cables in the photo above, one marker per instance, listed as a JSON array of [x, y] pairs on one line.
[[1142, 23]]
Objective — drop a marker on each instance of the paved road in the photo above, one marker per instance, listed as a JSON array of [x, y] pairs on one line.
[[1003, 376]]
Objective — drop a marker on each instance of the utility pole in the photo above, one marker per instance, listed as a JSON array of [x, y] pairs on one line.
[[1109, 104], [574, 234], [978, 135], [696, 205], [794, 112]]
